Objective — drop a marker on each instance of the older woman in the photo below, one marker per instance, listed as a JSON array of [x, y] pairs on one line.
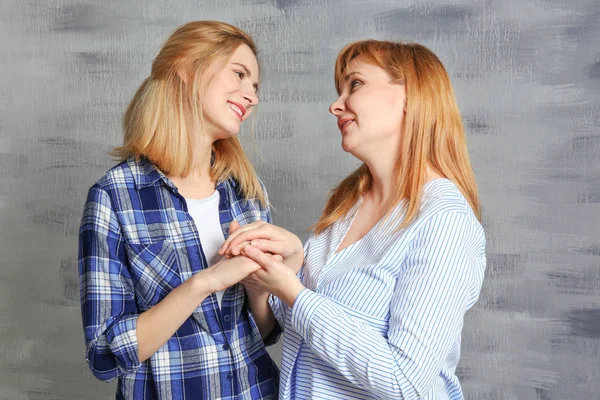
[[398, 256]]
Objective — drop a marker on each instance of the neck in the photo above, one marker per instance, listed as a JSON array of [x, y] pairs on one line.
[[382, 189], [385, 185], [202, 153], [381, 165], [202, 156], [201, 142]]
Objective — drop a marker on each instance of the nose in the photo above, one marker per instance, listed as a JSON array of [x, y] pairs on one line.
[[337, 107], [250, 96]]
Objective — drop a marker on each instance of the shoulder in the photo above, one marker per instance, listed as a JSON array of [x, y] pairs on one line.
[[440, 196], [234, 186], [245, 208], [445, 211], [119, 176], [111, 186]]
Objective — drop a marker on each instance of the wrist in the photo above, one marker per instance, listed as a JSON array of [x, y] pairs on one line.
[[203, 284], [289, 294]]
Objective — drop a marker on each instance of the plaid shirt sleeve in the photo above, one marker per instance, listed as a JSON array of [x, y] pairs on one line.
[[108, 306]]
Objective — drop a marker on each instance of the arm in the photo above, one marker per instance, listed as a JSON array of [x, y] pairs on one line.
[[258, 302], [118, 338], [426, 315], [258, 299], [276, 308], [256, 289]]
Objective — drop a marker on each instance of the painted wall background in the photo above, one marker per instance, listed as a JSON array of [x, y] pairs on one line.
[[527, 77]]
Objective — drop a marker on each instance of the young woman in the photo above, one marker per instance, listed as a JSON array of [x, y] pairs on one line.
[[161, 311], [398, 255]]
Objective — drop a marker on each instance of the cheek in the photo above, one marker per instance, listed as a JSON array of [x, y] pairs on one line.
[[391, 109], [219, 86]]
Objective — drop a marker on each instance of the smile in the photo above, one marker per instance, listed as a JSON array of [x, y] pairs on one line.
[[238, 109], [344, 123]]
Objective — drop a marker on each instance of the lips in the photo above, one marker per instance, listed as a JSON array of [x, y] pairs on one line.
[[238, 109], [344, 122]]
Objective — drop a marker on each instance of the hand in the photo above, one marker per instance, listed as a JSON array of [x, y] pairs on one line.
[[229, 271], [274, 276], [268, 238], [254, 286]]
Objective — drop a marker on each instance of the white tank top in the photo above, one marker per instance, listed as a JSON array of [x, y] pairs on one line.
[[205, 213]]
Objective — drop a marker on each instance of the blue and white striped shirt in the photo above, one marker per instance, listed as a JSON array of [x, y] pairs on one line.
[[382, 318], [137, 242]]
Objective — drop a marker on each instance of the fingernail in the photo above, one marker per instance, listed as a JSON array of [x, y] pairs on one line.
[[249, 248], [255, 243]]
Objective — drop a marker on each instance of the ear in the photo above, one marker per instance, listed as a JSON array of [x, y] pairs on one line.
[[183, 74]]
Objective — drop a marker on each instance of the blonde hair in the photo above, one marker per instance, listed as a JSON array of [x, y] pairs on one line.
[[434, 133], [154, 122]]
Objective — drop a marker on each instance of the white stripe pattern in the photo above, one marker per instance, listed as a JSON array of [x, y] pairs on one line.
[[382, 319]]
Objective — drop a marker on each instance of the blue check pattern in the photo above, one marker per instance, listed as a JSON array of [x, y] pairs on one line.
[[137, 242]]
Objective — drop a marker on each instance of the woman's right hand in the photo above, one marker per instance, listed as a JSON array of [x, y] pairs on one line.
[[228, 271], [268, 238]]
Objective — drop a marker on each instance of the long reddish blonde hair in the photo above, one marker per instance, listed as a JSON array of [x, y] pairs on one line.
[[154, 122], [434, 133]]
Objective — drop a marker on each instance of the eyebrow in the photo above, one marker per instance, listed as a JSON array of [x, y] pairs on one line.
[[247, 71], [347, 77]]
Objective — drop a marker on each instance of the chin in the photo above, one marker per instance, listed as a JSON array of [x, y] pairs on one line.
[[347, 146], [228, 132]]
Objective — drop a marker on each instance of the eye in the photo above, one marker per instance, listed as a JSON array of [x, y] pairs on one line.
[[354, 84], [240, 74]]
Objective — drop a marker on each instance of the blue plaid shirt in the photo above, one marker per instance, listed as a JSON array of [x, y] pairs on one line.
[[137, 242]]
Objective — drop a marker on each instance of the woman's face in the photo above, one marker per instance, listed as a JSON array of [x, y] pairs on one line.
[[370, 111], [229, 94]]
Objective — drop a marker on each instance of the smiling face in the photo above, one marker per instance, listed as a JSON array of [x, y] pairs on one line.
[[229, 93], [370, 110]]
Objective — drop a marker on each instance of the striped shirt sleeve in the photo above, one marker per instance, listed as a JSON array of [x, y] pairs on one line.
[[426, 315], [108, 307]]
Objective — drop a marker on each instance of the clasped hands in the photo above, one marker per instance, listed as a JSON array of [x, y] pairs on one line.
[[272, 257]]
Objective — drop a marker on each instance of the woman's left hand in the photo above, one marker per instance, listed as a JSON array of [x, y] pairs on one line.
[[274, 276], [266, 237]]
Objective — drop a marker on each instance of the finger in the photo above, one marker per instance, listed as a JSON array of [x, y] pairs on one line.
[[271, 246], [252, 268], [259, 257], [266, 246], [262, 277], [253, 230], [240, 229], [277, 257], [233, 226], [260, 232], [237, 249]]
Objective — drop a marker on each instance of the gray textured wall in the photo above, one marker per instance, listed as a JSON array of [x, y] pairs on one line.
[[527, 77]]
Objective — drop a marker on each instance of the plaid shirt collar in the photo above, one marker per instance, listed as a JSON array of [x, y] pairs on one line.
[[146, 174]]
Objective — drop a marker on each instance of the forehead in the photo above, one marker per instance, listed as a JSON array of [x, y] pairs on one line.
[[244, 55], [358, 65]]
